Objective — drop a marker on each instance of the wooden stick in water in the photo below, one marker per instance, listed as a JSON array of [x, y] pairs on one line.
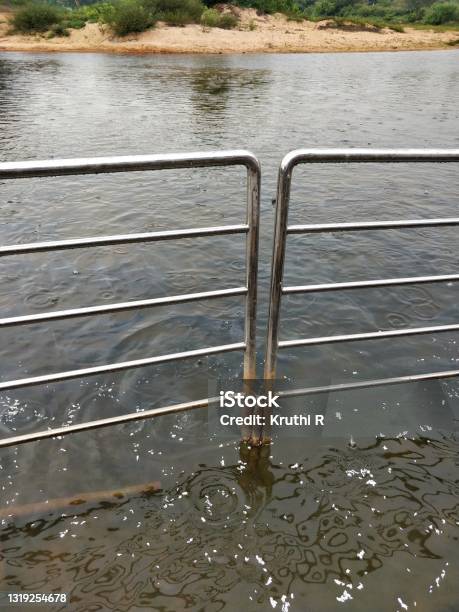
[[62, 503]]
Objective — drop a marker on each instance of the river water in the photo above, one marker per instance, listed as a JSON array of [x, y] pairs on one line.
[[312, 523]]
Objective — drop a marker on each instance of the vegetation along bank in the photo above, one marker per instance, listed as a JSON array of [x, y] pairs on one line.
[[194, 26]]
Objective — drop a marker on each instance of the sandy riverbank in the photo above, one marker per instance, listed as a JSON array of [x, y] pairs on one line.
[[255, 34]]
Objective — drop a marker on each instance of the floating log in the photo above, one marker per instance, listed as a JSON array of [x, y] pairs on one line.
[[61, 503]]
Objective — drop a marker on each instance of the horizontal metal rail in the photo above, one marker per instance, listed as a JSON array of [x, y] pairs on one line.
[[128, 163], [367, 384], [391, 333], [364, 226], [117, 367], [282, 230], [124, 306], [78, 243], [53, 168], [387, 282], [100, 423], [367, 156]]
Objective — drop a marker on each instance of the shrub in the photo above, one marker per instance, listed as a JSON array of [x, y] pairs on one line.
[[102, 11], [177, 12], [74, 24], [213, 19], [349, 9], [128, 17], [325, 8], [441, 12], [176, 17], [36, 18], [227, 21], [269, 6], [210, 18]]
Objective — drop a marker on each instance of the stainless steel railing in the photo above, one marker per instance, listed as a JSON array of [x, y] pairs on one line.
[[251, 229], [102, 165], [283, 230]]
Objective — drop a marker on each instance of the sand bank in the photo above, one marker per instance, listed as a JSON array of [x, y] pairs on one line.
[[255, 34]]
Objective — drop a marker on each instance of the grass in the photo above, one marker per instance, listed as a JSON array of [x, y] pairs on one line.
[[446, 27], [296, 16], [395, 27], [379, 24]]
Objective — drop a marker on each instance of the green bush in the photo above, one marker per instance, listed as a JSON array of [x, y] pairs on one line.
[[325, 8], [128, 17], [269, 6], [177, 12], [36, 18], [373, 11], [227, 21], [441, 12], [99, 12], [74, 24], [213, 19], [210, 18]]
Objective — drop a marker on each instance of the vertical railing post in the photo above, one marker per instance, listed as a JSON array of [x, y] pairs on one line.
[[263, 435], [280, 236], [253, 216]]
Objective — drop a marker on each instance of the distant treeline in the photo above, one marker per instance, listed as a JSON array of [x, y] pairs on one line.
[[56, 17]]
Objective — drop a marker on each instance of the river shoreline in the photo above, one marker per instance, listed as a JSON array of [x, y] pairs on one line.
[[255, 34]]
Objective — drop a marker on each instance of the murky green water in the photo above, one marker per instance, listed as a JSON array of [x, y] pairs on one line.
[[310, 524]]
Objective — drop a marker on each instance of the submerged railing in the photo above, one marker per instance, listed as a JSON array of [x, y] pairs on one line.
[[283, 230], [106, 165]]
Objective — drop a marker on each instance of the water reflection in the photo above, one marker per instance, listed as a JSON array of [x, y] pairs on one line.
[[255, 533], [212, 86]]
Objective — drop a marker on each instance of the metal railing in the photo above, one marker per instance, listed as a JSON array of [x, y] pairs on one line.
[[102, 165], [282, 230], [250, 229]]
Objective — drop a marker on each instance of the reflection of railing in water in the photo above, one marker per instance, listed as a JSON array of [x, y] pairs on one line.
[[282, 230], [130, 164], [276, 528]]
